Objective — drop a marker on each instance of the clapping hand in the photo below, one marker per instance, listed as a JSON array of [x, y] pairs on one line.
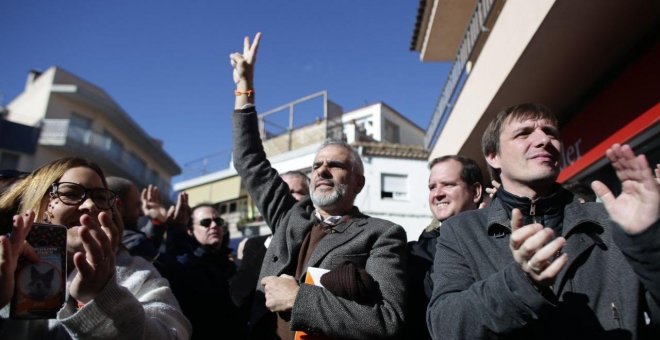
[[638, 205], [12, 247], [180, 214], [96, 265], [536, 250], [152, 206]]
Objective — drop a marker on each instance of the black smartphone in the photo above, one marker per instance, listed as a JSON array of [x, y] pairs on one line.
[[39, 287]]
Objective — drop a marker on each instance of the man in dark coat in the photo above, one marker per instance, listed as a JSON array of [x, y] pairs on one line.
[[537, 263], [455, 185], [199, 271]]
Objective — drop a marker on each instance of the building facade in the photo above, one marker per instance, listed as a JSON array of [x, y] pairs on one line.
[[390, 146], [594, 63], [59, 114]]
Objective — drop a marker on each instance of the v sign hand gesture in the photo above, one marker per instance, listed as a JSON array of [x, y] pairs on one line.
[[243, 64]]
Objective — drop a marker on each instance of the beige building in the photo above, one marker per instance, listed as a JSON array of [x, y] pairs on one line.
[[68, 116], [594, 63]]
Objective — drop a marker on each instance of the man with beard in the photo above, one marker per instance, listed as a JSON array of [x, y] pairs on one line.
[[538, 263], [364, 289]]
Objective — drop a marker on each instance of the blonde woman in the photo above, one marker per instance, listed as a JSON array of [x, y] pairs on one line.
[[110, 294]]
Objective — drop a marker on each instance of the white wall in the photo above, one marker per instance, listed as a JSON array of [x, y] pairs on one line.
[[29, 107], [409, 134], [413, 213]]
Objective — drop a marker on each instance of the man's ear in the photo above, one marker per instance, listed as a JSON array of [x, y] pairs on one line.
[[119, 204], [477, 189], [359, 184], [493, 160]]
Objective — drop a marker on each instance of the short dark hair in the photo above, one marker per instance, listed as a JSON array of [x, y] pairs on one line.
[[470, 170], [297, 173], [120, 186], [200, 205], [490, 141], [13, 174]]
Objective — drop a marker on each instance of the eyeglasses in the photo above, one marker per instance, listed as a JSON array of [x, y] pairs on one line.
[[206, 223], [74, 194]]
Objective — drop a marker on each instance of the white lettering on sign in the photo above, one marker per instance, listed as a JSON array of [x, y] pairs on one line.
[[571, 154]]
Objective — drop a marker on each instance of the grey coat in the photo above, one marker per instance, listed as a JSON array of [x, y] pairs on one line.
[[376, 245], [610, 281]]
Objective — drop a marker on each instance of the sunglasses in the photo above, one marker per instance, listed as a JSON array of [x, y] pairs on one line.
[[206, 223], [74, 194]]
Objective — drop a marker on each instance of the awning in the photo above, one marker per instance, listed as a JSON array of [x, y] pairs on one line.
[[214, 192], [646, 125]]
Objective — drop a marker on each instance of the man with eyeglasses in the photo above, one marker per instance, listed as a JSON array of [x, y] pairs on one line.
[[199, 276]]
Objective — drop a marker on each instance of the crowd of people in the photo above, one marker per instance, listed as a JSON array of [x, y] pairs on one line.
[[525, 259]]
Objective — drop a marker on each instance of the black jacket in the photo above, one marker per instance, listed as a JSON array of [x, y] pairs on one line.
[[610, 281]]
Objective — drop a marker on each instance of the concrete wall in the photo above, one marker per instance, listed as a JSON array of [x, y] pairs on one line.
[[413, 213]]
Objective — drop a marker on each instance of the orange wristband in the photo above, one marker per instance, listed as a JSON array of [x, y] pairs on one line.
[[80, 304], [240, 93]]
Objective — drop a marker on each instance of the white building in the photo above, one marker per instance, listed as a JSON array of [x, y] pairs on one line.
[[391, 148]]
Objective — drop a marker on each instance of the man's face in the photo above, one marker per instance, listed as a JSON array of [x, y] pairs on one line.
[[333, 182], [448, 193], [297, 186], [207, 236], [529, 154]]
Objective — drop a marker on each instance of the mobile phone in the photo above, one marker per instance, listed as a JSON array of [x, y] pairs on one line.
[[39, 287]]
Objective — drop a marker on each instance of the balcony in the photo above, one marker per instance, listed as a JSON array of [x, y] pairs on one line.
[[102, 149]]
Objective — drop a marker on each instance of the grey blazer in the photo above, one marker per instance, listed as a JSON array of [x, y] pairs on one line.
[[376, 245]]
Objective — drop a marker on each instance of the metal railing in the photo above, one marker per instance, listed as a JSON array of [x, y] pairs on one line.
[[279, 135], [101, 148], [456, 77]]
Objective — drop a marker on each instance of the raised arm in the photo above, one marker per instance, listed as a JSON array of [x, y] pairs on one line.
[[269, 192]]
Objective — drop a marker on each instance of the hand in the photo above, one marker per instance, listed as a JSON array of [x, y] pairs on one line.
[[152, 206], [657, 173], [491, 191], [280, 292], [11, 248], [535, 250], [243, 64], [180, 214], [96, 265], [638, 205]]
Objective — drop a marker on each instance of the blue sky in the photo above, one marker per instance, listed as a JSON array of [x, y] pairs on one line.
[[166, 62]]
